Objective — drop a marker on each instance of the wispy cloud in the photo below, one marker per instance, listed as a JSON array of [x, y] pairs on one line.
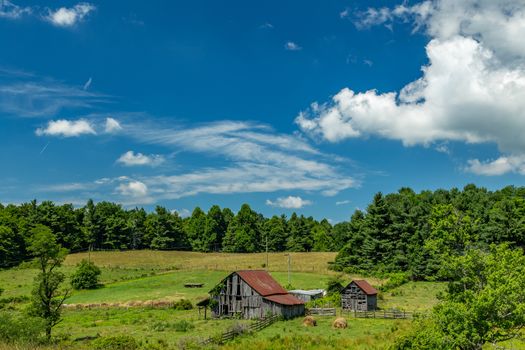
[[266, 25], [346, 201], [87, 84], [291, 46], [61, 17], [68, 17], [23, 94], [290, 202], [12, 11], [112, 126], [131, 158], [66, 128], [253, 158]]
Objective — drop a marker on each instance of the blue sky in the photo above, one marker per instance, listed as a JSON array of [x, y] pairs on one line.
[[297, 106]]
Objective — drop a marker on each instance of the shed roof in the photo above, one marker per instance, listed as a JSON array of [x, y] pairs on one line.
[[365, 287], [307, 292], [284, 299], [262, 282]]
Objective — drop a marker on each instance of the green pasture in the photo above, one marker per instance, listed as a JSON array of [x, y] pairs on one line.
[[125, 281], [360, 334]]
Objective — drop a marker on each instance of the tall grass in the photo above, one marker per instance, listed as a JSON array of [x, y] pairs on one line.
[[181, 260]]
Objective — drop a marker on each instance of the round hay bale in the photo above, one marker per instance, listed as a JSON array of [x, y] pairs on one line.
[[309, 321], [340, 322]]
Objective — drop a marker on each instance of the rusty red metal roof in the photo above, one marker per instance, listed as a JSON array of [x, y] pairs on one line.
[[262, 282], [284, 299], [365, 287]]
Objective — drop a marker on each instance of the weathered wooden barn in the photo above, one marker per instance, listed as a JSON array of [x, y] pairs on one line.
[[253, 294], [359, 295]]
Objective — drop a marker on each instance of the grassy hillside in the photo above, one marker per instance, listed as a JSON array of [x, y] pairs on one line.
[[150, 276], [180, 260], [360, 334]]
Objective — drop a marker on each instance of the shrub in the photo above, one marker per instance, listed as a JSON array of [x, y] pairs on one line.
[[239, 328], [183, 326], [116, 342], [14, 300], [333, 300], [183, 304], [395, 280], [334, 285], [86, 276], [178, 326], [20, 328]]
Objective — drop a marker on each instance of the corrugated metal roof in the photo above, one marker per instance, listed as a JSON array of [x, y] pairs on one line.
[[262, 282], [365, 287], [284, 299], [307, 292]]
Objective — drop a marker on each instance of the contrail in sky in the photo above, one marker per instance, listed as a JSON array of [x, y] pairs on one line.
[[45, 147]]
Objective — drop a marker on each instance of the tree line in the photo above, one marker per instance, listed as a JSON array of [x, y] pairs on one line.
[[416, 233], [108, 226], [399, 232]]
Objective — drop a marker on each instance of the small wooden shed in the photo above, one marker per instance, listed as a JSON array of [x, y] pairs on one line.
[[359, 295], [253, 294]]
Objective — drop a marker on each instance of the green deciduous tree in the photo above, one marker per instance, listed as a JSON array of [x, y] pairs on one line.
[[47, 298], [484, 303], [86, 275]]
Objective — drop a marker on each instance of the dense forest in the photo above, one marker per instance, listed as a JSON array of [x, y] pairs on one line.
[[399, 232]]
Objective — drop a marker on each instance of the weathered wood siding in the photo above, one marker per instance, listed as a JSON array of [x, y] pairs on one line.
[[353, 298], [237, 298]]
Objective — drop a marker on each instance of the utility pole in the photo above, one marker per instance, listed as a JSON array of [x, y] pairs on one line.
[[267, 267], [289, 265]]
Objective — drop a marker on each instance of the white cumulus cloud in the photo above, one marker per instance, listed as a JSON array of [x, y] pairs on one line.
[[68, 17], [133, 189], [133, 159], [499, 166], [66, 128], [291, 46], [290, 202], [183, 213], [472, 90]]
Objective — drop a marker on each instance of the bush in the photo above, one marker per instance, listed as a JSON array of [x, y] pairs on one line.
[[395, 280], [183, 304], [86, 276], [178, 326], [20, 328], [117, 342], [334, 285], [239, 328], [14, 300], [183, 326], [333, 300]]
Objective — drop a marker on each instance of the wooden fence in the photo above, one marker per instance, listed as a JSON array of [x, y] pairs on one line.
[[387, 314], [253, 327], [321, 311]]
